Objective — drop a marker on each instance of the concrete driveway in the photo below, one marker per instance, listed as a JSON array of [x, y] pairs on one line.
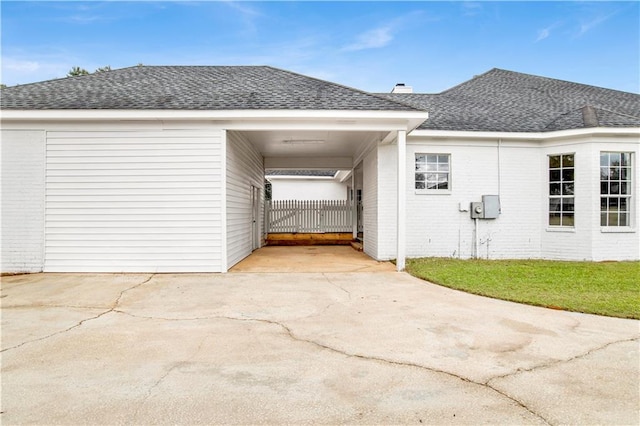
[[301, 348]]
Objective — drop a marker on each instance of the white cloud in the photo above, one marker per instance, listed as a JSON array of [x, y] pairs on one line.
[[21, 71], [242, 8], [543, 33], [372, 39], [546, 32], [470, 8], [585, 27], [19, 65]]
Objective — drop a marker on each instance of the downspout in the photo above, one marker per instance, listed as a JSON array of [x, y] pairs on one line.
[[476, 240], [499, 170], [402, 200]]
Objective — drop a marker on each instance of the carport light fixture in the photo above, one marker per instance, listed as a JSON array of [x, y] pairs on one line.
[[303, 141]]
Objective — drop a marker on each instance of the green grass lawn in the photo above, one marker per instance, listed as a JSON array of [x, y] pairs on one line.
[[605, 288]]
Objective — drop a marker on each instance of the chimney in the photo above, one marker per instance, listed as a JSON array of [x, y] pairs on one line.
[[589, 116], [401, 88]]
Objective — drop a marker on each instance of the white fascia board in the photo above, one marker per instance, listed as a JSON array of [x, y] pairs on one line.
[[322, 163], [388, 120], [292, 177], [527, 136], [342, 175]]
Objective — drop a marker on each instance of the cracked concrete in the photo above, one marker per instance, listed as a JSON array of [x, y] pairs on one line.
[[328, 348]]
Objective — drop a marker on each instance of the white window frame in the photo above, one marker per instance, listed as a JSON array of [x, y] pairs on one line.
[[556, 190], [622, 178], [421, 167]]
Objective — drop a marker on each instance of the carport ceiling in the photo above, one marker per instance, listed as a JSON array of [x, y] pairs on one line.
[[304, 143]]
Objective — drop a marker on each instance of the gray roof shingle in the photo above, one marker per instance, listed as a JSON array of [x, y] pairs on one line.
[[498, 100], [194, 88], [508, 101]]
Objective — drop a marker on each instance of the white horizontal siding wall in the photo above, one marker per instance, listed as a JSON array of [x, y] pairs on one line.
[[133, 201], [244, 170], [23, 162]]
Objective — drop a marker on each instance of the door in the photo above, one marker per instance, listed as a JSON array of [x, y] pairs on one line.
[[255, 217], [359, 213]]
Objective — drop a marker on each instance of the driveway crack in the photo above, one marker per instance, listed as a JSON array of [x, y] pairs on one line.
[[113, 306], [336, 285], [174, 366], [292, 335], [560, 361]]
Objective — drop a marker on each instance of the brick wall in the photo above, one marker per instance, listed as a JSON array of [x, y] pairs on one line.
[[387, 205], [518, 173], [23, 165], [436, 226], [370, 203]]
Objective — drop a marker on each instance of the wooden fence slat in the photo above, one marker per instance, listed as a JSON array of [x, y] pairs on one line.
[[313, 216]]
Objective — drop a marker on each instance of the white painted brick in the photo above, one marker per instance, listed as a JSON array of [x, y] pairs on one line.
[[370, 204], [23, 165], [436, 227]]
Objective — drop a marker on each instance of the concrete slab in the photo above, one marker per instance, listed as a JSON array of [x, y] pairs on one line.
[[327, 348], [310, 259]]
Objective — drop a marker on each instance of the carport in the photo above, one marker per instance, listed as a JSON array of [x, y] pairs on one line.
[[341, 141]]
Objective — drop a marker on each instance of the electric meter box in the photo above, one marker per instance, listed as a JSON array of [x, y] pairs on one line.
[[477, 210], [491, 206]]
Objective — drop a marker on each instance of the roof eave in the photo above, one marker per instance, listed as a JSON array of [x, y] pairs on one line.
[[529, 136], [402, 120]]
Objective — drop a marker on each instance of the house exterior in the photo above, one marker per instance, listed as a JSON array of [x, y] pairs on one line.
[[561, 156], [161, 169]]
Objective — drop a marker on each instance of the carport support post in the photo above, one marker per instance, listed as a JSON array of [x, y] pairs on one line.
[[402, 199], [354, 206]]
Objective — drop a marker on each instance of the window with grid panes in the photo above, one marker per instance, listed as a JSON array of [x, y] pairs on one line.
[[615, 188], [561, 190], [433, 172]]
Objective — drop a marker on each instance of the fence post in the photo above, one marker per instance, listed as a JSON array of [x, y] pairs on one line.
[[267, 216]]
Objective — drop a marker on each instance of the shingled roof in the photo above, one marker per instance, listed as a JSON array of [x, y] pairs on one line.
[[498, 100], [508, 101], [194, 88]]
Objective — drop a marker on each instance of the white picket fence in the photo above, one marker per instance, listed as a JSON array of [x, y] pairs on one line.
[[319, 216]]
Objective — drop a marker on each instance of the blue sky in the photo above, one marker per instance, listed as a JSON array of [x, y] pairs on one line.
[[368, 45]]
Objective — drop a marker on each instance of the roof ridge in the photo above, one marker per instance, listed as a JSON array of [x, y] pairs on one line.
[[115, 70], [475, 77], [375, 95]]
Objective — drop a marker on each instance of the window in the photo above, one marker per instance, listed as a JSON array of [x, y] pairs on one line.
[[433, 171], [615, 188], [561, 190]]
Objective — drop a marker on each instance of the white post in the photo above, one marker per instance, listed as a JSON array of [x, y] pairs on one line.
[[354, 206], [402, 200]]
